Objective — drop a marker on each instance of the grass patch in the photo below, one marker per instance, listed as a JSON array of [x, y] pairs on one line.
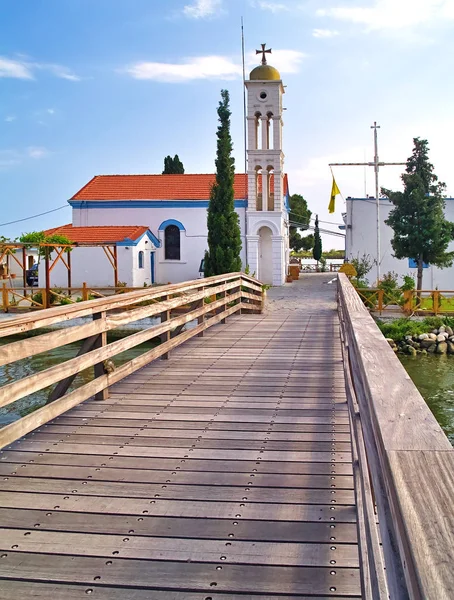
[[398, 329]]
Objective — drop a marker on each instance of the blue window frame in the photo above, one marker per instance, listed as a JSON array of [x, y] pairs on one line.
[[141, 255], [172, 242]]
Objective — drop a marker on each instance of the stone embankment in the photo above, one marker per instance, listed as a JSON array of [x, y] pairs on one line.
[[438, 341]]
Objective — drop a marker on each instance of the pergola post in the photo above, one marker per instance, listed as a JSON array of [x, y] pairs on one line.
[[47, 269], [24, 269], [115, 265]]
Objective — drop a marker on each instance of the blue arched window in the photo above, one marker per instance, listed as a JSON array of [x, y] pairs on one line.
[[172, 243], [141, 255]]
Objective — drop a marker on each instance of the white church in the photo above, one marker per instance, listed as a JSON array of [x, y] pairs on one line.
[[155, 226]]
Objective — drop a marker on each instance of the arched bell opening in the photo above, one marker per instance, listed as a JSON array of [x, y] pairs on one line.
[[258, 187]]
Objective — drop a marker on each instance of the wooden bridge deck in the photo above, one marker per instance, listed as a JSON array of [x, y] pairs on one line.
[[224, 472]]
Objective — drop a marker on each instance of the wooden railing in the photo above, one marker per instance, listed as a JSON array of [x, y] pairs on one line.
[[403, 467], [424, 302], [18, 299], [205, 301]]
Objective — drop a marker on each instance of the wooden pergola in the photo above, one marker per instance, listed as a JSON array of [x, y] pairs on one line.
[[63, 254]]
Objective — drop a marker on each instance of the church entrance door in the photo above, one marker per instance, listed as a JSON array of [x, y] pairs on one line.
[[152, 265], [265, 274]]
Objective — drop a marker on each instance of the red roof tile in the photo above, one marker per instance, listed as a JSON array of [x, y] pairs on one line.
[[157, 187], [101, 234]]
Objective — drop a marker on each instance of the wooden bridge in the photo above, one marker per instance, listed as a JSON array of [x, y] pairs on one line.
[[283, 453]]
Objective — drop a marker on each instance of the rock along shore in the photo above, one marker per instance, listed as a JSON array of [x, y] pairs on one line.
[[438, 341]]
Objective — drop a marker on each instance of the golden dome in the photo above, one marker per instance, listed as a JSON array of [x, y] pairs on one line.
[[264, 73]]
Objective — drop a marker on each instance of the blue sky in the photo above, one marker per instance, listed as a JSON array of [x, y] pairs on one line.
[[112, 86]]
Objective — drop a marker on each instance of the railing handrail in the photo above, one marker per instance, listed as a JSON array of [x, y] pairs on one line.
[[409, 457], [227, 294], [53, 315]]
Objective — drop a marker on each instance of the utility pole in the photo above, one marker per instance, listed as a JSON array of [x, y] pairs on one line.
[[376, 164]]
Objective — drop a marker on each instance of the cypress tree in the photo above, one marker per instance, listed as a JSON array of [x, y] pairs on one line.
[[317, 249], [173, 166], [224, 239]]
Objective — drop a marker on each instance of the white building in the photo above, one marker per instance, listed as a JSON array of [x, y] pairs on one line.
[[361, 238], [174, 207]]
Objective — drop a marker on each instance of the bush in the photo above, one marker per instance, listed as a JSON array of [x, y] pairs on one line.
[[408, 284], [389, 284]]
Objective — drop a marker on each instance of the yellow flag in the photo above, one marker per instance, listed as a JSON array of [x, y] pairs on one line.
[[334, 191]]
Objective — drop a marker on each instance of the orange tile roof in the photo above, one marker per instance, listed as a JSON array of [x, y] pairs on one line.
[[100, 234], [157, 187]]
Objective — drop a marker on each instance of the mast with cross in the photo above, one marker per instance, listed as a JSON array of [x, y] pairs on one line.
[[263, 52], [376, 164]]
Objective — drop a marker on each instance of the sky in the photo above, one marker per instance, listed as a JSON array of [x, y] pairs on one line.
[[93, 87]]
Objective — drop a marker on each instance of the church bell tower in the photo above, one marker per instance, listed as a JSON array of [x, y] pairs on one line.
[[267, 212]]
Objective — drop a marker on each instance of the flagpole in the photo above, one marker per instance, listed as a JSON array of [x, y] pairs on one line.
[[376, 164], [377, 197]]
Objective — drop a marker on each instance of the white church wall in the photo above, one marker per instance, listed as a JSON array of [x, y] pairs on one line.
[[90, 265], [361, 238], [193, 238]]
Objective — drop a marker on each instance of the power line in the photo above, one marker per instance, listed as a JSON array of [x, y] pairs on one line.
[[34, 216]]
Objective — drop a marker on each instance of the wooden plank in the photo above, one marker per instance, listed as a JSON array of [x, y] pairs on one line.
[[212, 478], [261, 511], [181, 575], [222, 493], [166, 548], [179, 442], [189, 453], [169, 464], [25, 589], [207, 528]]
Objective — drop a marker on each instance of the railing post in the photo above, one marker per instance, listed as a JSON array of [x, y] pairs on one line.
[[44, 295], [224, 295], [408, 295], [5, 298], [436, 301], [165, 337], [262, 305], [99, 368], [84, 291], [201, 318], [380, 300]]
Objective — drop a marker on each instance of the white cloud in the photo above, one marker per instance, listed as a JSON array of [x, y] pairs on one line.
[[203, 67], [10, 118], [274, 7], [37, 152], [21, 68], [50, 111], [14, 69], [210, 67], [393, 14], [202, 9], [324, 33]]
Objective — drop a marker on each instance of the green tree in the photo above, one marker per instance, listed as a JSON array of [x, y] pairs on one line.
[[317, 249], [421, 231], [299, 218], [173, 166], [224, 239]]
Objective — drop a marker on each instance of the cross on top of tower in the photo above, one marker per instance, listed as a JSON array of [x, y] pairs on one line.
[[263, 52]]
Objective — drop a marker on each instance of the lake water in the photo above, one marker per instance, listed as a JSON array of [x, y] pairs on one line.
[[434, 378], [23, 368]]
